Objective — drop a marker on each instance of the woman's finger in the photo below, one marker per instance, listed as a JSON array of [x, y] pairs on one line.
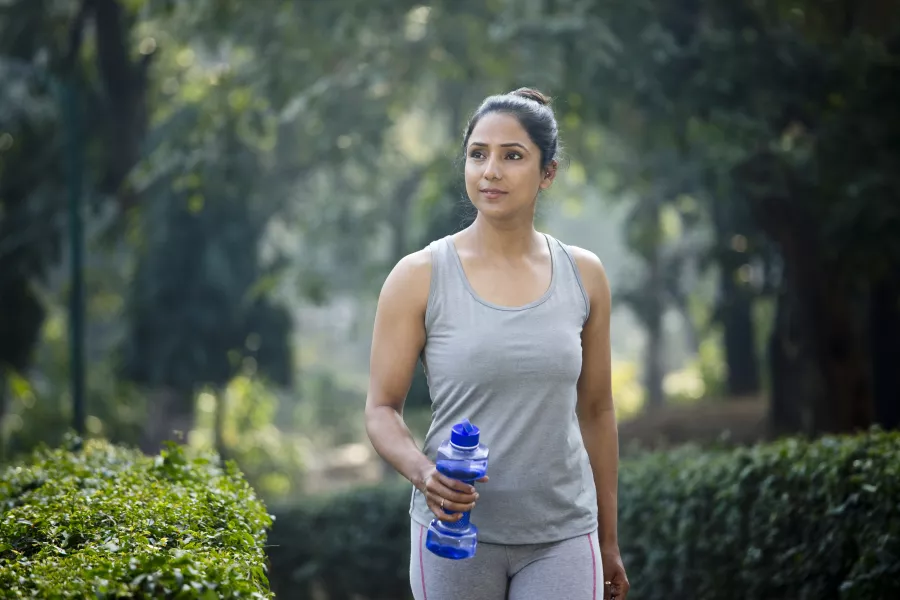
[[451, 505], [439, 489], [617, 591], [439, 513], [455, 484]]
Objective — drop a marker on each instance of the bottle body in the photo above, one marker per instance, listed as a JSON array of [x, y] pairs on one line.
[[457, 540]]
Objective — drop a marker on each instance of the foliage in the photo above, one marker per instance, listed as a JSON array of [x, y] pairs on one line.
[[197, 311], [28, 241], [240, 157], [774, 115], [700, 378], [792, 519], [108, 522], [271, 455], [351, 545], [628, 394], [39, 406]]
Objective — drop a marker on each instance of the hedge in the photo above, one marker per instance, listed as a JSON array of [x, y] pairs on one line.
[[789, 520], [102, 521], [786, 520], [351, 546]]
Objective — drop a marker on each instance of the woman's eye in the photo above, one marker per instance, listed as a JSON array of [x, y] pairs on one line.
[[478, 154]]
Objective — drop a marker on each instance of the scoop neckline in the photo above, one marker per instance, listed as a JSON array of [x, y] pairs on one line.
[[537, 302]]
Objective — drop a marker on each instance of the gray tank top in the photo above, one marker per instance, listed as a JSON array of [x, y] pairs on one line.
[[513, 373]]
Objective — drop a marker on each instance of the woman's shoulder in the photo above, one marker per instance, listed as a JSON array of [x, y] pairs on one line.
[[416, 265], [409, 281], [590, 269], [589, 264]]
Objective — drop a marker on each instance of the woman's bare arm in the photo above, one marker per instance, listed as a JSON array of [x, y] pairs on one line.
[[596, 413], [397, 341], [597, 416]]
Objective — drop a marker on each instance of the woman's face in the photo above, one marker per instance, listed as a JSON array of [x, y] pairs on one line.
[[503, 167]]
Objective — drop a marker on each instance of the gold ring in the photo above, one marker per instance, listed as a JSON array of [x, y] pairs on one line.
[[442, 503]]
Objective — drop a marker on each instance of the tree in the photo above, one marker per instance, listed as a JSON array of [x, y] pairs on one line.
[[41, 49], [791, 94]]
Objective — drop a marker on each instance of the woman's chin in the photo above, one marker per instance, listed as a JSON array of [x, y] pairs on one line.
[[500, 208]]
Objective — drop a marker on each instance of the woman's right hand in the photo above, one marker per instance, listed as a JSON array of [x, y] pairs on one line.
[[443, 493]]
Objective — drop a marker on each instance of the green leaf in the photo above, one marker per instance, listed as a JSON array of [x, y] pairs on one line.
[[111, 522]]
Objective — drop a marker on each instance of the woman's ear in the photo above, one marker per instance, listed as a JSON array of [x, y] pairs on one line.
[[549, 174]]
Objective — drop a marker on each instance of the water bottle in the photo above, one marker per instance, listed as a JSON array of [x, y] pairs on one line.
[[461, 457]]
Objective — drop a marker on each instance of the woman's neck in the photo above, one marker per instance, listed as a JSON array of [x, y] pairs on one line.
[[509, 240]]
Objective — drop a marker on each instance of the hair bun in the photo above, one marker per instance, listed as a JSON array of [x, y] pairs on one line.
[[532, 94]]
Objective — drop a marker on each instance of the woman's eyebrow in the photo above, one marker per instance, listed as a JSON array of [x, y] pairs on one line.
[[506, 145]]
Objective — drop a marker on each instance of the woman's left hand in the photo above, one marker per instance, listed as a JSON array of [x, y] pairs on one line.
[[615, 581]]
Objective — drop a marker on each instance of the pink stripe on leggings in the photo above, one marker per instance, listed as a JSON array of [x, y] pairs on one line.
[[422, 563], [593, 566]]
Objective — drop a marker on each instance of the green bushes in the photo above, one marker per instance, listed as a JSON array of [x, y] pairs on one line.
[[793, 520], [355, 545], [108, 522], [788, 520]]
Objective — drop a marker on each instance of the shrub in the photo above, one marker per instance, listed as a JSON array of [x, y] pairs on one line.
[[791, 519], [352, 545], [786, 520], [108, 522]]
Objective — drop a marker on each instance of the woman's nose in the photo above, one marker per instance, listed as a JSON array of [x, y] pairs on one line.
[[492, 169]]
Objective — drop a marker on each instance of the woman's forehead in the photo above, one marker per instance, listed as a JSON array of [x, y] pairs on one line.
[[497, 129]]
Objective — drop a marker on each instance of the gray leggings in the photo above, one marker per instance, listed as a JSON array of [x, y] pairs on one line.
[[565, 570]]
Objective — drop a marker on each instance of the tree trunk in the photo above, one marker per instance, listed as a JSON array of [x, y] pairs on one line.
[[830, 314], [125, 86], [4, 393], [170, 416], [884, 336], [691, 335], [219, 424], [735, 310], [830, 320], [794, 379], [654, 371], [736, 316], [838, 348]]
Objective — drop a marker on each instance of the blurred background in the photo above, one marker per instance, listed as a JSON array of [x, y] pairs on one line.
[[200, 200]]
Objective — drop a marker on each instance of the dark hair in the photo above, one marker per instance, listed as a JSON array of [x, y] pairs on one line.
[[532, 109]]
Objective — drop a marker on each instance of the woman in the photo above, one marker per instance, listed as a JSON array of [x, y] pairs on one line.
[[513, 330]]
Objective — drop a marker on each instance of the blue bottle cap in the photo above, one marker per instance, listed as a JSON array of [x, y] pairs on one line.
[[464, 434]]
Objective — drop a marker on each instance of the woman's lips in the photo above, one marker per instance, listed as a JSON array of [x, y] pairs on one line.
[[492, 193]]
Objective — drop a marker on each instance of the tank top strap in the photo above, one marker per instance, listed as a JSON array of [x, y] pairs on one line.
[[446, 287], [570, 275]]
